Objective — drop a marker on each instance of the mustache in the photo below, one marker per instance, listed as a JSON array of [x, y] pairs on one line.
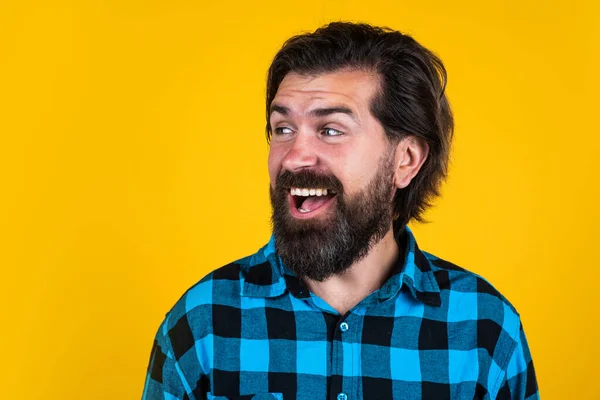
[[308, 179]]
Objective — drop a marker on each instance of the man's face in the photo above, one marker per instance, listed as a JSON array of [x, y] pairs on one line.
[[331, 172]]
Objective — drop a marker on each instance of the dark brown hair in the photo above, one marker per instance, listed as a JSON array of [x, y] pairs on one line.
[[411, 98]]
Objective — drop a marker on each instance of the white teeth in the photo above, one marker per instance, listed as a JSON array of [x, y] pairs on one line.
[[303, 211], [305, 192]]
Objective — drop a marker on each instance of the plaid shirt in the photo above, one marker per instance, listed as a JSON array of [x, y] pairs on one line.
[[252, 330]]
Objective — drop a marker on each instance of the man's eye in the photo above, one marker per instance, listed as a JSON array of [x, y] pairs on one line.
[[332, 132], [283, 131]]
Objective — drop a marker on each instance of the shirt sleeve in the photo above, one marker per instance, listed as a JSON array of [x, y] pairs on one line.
[[163, 378], [519, 381]]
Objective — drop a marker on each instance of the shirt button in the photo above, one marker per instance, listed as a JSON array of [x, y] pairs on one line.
[[343, 327], [342, 396]]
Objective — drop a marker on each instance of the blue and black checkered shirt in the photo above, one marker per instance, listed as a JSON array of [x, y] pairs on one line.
[[252, 330]]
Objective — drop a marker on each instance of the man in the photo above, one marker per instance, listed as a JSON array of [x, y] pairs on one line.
[[341, 303]]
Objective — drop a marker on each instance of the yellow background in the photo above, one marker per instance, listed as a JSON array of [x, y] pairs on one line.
[[133, 161]]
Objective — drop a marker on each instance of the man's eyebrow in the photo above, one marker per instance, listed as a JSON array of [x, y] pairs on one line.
[[323, 112], [317, 112], [275, 108]]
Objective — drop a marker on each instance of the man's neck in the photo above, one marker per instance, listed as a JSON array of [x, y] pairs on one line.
[[344, 291]]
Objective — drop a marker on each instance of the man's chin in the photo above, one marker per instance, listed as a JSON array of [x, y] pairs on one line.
[[306, 234]]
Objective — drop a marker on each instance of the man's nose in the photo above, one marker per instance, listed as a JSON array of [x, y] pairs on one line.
[[302, 153]]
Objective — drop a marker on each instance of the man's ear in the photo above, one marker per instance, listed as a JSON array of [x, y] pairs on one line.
[[411, 153]]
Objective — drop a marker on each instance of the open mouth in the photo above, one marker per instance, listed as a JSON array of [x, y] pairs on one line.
[[305, 202]]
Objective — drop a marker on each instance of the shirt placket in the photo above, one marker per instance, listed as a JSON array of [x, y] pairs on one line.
[[346, 357]]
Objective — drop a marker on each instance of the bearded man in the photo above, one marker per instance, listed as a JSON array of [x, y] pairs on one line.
[[341, 303]]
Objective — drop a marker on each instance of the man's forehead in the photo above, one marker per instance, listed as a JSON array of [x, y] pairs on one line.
[[354, 87]]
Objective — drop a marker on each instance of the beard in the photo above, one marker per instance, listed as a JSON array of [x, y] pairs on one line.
[[319, 248]]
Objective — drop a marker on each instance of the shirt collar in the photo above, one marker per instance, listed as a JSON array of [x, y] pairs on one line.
[[265, 275]]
